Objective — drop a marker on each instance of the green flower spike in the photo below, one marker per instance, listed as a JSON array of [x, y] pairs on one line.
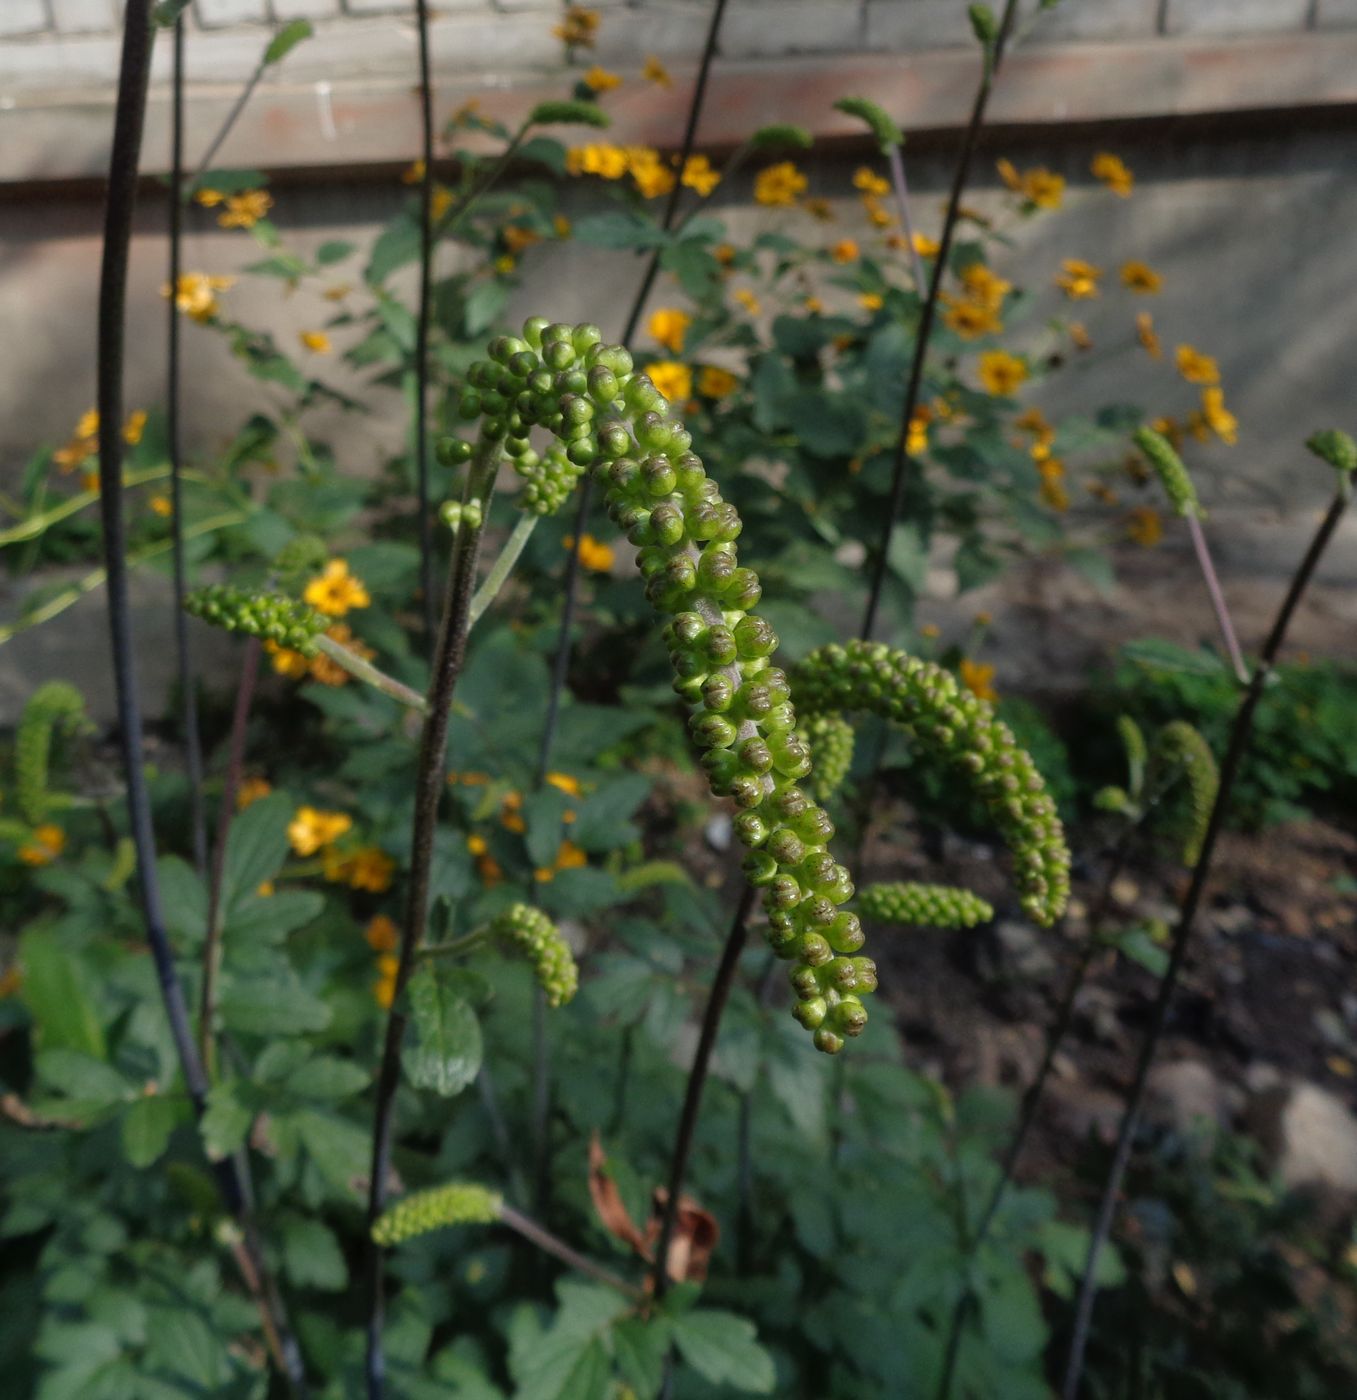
[[925, 906], [1168, 466], [268, 616], [529, 932], [1179, 747], [831, 740], [56, 707], [458, 1203], [1336, 448], [962, 733]]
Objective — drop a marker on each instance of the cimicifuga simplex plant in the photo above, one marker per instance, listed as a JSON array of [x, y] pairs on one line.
[[601, 415]]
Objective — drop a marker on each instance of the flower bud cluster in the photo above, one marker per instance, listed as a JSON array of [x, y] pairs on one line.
[[926, 906], [1168, 466], [532, 934], [268, 616], [56, 707], [1335, 447], [831, 740], [962, 733], [1179, 747], [604, 415], [457, 1203]]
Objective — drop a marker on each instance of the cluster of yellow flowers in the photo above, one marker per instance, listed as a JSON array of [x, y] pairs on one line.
[[383, 937], [84, 443], [652, 174], [44, 845], [976, 311], [779, 185], [313, 831], [243, 210], [1049, 467], [1001, 373], [334, 591], [195, 294], [594, 554]]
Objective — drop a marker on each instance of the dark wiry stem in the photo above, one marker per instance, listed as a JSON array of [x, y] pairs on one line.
[[928, 316], [128, 125], [188, 695], [560, 662], [1182, 936], [429, 784], [543, 1238], [421, 427]]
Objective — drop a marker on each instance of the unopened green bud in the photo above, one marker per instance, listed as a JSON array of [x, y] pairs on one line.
[[1169, 468]]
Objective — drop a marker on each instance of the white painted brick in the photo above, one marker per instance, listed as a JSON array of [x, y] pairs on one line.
[[23, 16], [217, 14], [917, 24], [83, 16], [1094, 19], [378, 7], [304, 9], [762, 28], [1336, 14], [1229, 17]]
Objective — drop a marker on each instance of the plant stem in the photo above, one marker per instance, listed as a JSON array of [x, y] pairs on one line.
[[124, 159], [232, 117], [365, 671], [897, 165], [426, 246], [903, 462], [553, 1244], [1240, 733], [697, 1080], [36, 525], [429, 784], [1218, 604], [54, 607], [188, 695], [503, 566], [235, 764]]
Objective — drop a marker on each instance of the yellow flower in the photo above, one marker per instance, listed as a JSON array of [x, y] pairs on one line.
[[1080, 336], [749, 301], [579, 27], [715, 383], [560, 226], [1113, 172], [1145, 527], [1054, 495], [1195, 367], [316, 341], [593, 555], [698, 175], [413, 173], [440, 201], [916, 440], [969, 319], [1219, 418], [1140, 277], [672, 379], [45, 845], [668, 325], [814, 305], [978, 678], [565, 783], [844, 251], [368, 868], [381, 934], [869, 182], [1147, 335], [1079, 279], [655, 72], [600, 80], [161, 506], [134, 427], [504, 264], [779, 184], [1169, 428], [568, 857], [871, 301], [516, 239], [1041, 188], [312, 829], [209, 198], [335, 590], [327, 672], [925, 246], [384, 988], [652, 176], [250, 791], [607, 162], [194, 294], [818, 208], [1002, 374], [244, 210], [877, 215], [287, 662], [984, 287], [338, 292]]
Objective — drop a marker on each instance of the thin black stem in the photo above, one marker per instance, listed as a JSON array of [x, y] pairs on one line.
[[124, 160], [235, 765], [426, 246], [1240, 734], [697, 1081], [188, 691], [233, 116], [429, 785], [903, 463]]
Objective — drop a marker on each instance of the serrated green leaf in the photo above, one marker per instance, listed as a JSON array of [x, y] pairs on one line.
[[56, 992], [312, 1256], [724, 1349], [255, 849], [447, 1049], [226, 1121], [82, 1076], [146, 1129]]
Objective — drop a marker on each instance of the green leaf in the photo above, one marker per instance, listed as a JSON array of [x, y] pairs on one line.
[[227, 1120], [146, 1129], [641, 1347], [399, 244], [446, 1055], [618, 228], [828, 424], [255, 849], [1095, 566], [340, 1149], [908, 557], [55, 990], [334, 250], [485, 306], [272, 1003], [312, 1256], [697, 270], [724, 1349], [287, 39], [270, 918], [568, 1361], [82, 1076], [328, 1077]]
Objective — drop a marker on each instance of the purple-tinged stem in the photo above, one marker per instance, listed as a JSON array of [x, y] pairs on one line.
[[1222, 611]]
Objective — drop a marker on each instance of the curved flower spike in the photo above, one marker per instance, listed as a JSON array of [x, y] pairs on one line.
[[457, 1203], [926, 906]]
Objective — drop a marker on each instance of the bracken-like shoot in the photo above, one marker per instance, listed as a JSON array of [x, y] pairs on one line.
[[1179, 748], [457, 1203], [529, 932], [56, 707]]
